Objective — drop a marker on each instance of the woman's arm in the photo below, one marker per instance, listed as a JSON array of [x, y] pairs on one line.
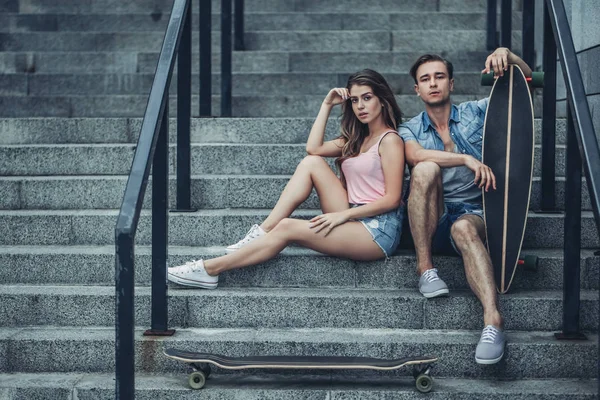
[[314, 144]]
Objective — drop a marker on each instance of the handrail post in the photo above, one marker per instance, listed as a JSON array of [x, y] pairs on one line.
[[125, 317], [226, 55], [205, 58], [548, 202], [184, 109], [506, 23], [160, 228], [528, 42], [239, 25], [492, 30], [572, 238]]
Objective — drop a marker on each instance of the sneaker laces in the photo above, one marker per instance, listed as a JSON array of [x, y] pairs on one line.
[[252, 234], [190, 266], [431, 275], [489, 335]]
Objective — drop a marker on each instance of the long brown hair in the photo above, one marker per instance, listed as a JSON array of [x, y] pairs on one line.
[[352, 130]]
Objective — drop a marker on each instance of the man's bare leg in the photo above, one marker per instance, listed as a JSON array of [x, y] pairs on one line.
[[468, 233], [425, 206]]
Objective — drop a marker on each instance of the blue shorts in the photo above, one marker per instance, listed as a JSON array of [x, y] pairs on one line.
[[385, 228], [442, 242]]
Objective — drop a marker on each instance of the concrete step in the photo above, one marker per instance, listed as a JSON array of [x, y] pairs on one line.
[[243, 84], [208, 191], [279, 40], [290, 308], [203, 130], [164, 6], [115, 159], [212, 227], [253, 21], [135, 105], [296, 386], [127, 62], [295, 267], [60, 350]]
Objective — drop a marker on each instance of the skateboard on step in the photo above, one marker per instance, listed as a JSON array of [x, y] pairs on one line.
[[508, 149], [200, 364]]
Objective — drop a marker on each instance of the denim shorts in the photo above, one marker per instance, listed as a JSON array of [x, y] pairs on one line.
[[385, 228], [442, 242]]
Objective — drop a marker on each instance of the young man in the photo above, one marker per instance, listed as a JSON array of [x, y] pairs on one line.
[[443, 149]]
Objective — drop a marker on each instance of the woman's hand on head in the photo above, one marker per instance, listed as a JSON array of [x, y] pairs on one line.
[[336, 96], [327, 221]]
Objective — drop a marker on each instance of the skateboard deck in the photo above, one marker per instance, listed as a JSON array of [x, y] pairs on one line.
[[200, 363], [508, 149]]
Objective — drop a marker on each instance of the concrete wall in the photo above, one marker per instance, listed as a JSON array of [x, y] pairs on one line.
[[583, 17]]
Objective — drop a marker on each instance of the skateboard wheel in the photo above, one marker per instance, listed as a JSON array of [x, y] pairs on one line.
[[530, 263], [487, 79], [424, 383], [197, 380], [537, 79]]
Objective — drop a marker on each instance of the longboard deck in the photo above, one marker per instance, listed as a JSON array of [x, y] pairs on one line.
[[508, 146], [295, 362]]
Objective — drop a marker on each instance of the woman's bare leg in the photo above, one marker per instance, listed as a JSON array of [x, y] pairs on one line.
[[313, 171], [349, 240]]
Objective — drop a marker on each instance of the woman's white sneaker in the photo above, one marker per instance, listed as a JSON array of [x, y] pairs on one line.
[[254, 233], [193, 274]]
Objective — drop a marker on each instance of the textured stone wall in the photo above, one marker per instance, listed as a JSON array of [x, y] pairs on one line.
[[583, 17]]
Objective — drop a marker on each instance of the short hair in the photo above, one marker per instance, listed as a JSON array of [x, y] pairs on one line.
[[425, 58]]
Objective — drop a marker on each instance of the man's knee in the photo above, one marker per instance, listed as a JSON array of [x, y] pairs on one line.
[[425, 174], [464, 232]]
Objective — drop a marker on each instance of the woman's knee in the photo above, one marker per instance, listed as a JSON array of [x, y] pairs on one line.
[[286, 228], [311, 162]]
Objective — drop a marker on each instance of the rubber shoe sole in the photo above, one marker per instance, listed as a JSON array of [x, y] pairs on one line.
[[487, 361], [437, 293], [191, 282]]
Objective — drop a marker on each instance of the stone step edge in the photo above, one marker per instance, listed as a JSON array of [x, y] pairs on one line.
[[282, 335], [215, 212], [237, 292], [289, 386], [174, 145], [218, 250]]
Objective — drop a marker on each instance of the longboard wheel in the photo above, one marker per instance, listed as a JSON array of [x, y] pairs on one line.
[[530, 263], [424, 383], [537, 79], [487, 79], [197, 380]]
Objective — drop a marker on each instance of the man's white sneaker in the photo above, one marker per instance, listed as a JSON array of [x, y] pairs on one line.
[[254, 233], [193, 274]]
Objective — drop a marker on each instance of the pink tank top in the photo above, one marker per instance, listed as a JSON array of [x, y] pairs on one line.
[[364, 175]]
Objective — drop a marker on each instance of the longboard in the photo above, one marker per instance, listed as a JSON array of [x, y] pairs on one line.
[[200, 364], [508, 149]]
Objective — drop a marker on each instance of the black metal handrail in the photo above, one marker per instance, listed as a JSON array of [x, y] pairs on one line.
[[153, 145], [582, 145], [226, 53]]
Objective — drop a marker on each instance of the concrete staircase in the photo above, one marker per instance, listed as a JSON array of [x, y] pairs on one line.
[[74, 84]]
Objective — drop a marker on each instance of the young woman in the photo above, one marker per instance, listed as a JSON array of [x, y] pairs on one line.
[[362, 217]]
